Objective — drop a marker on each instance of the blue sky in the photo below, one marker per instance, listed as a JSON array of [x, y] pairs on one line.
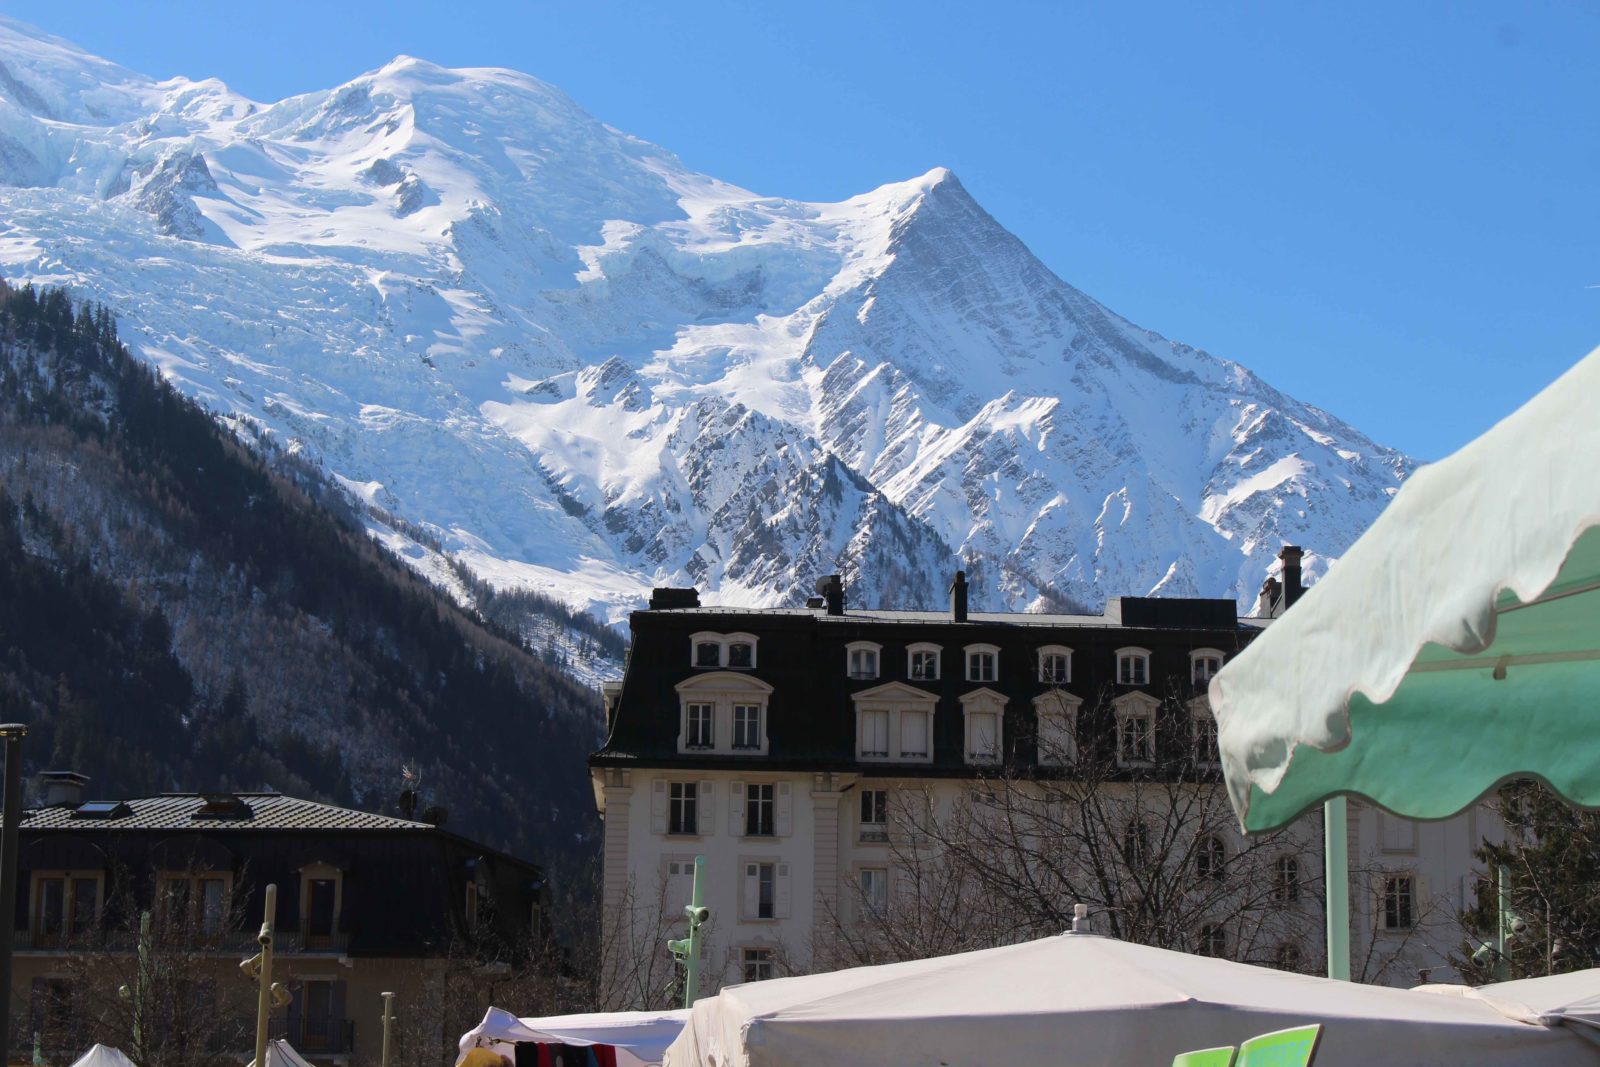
[[1388, 210]]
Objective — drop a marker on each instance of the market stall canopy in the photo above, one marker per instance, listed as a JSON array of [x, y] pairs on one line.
[[1080, 999], [103, 1056], [1454, 646], [640, 1037], [1571, 1000], [282, 1054]]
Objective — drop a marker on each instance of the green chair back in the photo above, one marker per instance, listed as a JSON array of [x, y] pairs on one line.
[[1206, 1057], [1281, 1048]]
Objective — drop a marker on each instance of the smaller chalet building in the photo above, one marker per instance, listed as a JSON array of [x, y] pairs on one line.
[[771, 742], [366, 903]]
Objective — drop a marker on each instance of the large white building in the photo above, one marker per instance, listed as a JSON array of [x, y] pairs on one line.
[[800, 752]]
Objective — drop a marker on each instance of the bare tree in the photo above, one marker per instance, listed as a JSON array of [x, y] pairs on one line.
[[159, 977], [1126, 815]]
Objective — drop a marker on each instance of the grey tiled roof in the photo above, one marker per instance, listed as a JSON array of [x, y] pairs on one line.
[[181, 811]]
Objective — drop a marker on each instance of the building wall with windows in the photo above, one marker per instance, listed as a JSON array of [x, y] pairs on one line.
[[366, 903], [783, 745]]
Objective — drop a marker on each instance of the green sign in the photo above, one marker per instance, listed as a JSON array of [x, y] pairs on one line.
[[1206, 1057], [1281, 1048]]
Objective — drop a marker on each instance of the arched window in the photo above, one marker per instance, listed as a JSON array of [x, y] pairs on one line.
[[1055, 665], [983, 663], [1204, 663], [1133, 666], [1210, 858], [862, 659]]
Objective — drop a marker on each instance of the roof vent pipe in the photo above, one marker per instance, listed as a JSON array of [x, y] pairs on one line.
[[958, 597], [1080, 919]]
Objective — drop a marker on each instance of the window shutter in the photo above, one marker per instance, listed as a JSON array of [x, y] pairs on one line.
[[781, 903], [296, 1012], [752, 890], [658, 808], [337, 1011], [708, 808], [736, 810], [782, 817]]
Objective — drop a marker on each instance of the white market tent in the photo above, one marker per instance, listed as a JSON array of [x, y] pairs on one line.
[[103, 1056], [282, 1054], [640, 1037], [1077, 1000], [1571, 1000]]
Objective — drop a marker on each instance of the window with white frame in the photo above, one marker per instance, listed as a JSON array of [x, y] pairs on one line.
[[682, 808], [766, 890], [758, 965], [874, 815], [1286, 879], [1204, 663], [874, 882], [983, 710], [1399, 902], [747, 726], [1133, 666], [894, 723], [862, 659], [922, 662], [1057, 715], [1213, 940], [699, 733], [914, 740], [1136, 844], [1136, 729], [1203, 749], [874, 733], [1055, 665], [760, 810], [1210, 858], [723, 711], [731, 651], [982, 663]]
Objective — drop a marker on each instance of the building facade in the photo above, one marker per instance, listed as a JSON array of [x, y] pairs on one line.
[[779, 743], [366, 904]]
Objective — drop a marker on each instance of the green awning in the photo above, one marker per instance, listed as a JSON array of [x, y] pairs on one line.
[[1457, 643]]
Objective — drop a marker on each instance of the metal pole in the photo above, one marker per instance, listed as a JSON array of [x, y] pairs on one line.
[[264, 979], [388, 1016], [141, 985], [1336, 880], [691, 978], [1502, 893], [10, 822]]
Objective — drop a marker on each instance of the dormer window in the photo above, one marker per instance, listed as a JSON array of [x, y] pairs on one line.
[[723, 712], [862, 659], [922, 663], [1055, 665], [732, 651], [983, 710], [982, 663], [1136, 729], [321, 893], [1204, 663], [1133, 666], [699, 727]]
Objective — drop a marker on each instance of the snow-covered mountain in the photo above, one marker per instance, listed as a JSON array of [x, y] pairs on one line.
[[589, 370]]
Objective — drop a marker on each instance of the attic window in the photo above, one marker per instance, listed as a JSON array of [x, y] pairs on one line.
[[222, 806], [102, 809]]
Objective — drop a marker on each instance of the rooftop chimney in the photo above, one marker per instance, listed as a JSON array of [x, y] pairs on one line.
[[63, 789], [408, 803], [1290, 555], [666, 599], [1269, 598], [831, 589], [958, 597]]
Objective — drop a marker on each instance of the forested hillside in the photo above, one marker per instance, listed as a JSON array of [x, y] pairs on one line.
[[179, 611]]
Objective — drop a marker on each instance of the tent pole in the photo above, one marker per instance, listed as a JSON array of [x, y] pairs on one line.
[[1336, 880]]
